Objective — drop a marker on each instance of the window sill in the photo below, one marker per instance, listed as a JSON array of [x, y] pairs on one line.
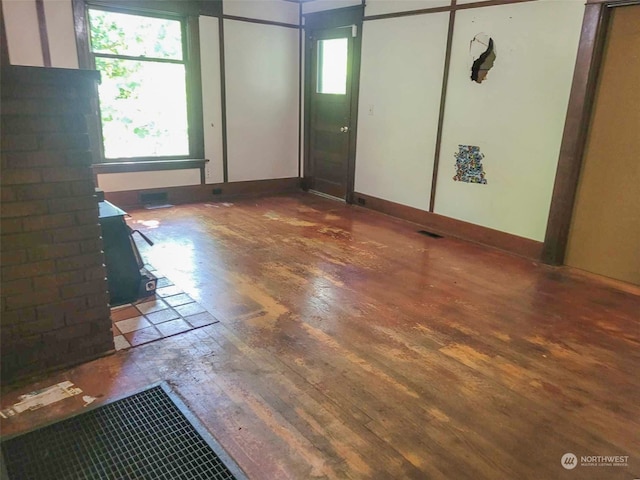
[[150, 165]]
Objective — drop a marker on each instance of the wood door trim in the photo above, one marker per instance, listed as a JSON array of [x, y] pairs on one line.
[[338, 17], [353, 120], [574, 138], [327, 20], [581, 99]]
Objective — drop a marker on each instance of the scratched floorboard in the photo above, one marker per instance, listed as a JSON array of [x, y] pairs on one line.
[[349, 346]]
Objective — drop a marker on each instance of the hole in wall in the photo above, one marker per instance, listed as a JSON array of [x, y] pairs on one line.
[[482, 50]]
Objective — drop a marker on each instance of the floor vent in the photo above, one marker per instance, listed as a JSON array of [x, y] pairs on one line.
[[148, 435], [429, 234], [153, 199]]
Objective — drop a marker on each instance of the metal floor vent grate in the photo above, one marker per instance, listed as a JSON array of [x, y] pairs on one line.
[[149, 435], [429, 234]]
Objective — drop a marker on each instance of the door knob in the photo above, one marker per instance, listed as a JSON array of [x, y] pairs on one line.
[[344, 129]]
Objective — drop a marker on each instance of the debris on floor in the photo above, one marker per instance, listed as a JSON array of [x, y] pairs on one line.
[[41, 398], [88, 400]]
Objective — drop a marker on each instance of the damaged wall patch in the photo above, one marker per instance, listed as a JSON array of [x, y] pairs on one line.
[[483, 52], [469, 165]]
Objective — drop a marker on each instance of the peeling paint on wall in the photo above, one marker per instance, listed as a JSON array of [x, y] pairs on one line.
[[482, 50], [469, 167]]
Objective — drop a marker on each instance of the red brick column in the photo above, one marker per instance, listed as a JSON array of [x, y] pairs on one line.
[[54, 296]]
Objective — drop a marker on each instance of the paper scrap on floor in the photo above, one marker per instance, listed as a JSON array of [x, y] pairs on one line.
[[41, 398]]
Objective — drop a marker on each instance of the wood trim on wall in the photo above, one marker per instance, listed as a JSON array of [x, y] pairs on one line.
[[306, 160], [180, 7], [205, 193], [260, 21], [614, 3], [443, 100], [194, 88], [44, 36], [4, 47], [300, 87], [211, 8], [575, 132], [446, 226], [223, 103], [490, 3], [408, 13], [446, 8], [81, 27]]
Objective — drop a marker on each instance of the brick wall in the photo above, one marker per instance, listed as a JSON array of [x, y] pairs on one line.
[[54, 297]]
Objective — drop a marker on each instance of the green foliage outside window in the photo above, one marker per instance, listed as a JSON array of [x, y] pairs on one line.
[[143, 99]]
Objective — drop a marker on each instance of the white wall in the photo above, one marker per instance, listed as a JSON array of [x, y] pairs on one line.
[[261, 66], [211, 98], [23, 32], [118, 182], [274, 10], [515, 116], [399, 107], [379, 7], [62, 39]]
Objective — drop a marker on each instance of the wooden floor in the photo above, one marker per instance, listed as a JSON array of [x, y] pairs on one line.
[[350, 346]]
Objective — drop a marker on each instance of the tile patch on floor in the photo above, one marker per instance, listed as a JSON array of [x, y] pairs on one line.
[[169, 312]]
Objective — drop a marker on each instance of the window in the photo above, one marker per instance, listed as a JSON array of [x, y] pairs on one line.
[[332, 66], [143, 94]]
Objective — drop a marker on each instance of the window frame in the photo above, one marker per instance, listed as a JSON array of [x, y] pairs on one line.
[[188, 18]]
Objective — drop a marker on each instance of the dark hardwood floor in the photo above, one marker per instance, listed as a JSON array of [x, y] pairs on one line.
[[350, 346]]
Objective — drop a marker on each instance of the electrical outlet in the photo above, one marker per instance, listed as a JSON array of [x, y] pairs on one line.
[[217, 191], [361, 201]]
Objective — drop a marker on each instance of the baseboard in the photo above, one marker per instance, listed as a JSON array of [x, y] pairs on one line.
[[446, 226], [608, 281], [206, 193]]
